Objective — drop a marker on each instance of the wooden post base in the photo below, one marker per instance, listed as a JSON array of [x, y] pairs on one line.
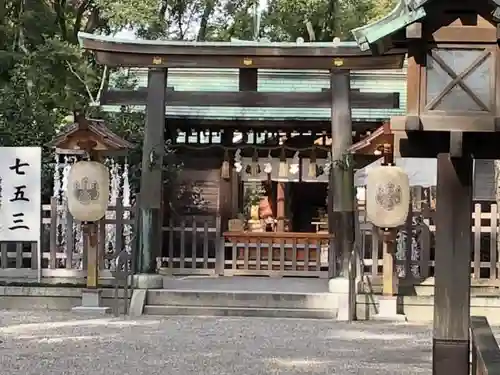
[[450, 357]]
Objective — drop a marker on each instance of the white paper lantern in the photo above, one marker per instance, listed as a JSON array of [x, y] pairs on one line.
[[387, 196], [88, 190]]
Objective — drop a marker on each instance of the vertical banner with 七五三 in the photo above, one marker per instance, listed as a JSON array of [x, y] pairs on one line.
[[20, 194]]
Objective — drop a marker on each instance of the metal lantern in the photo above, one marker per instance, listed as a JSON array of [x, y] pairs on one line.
[[387, 196], [88, 190]]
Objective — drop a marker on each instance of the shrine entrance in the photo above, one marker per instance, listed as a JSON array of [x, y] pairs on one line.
[[220, 156]]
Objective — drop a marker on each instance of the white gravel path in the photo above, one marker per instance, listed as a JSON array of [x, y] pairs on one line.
[[54, 343]]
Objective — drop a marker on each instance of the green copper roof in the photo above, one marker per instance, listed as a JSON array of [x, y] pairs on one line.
[[404, 14]]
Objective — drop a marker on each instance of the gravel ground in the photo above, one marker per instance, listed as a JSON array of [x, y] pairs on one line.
[[43, 343]]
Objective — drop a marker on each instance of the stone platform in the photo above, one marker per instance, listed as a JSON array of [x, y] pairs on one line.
[[242, 296]]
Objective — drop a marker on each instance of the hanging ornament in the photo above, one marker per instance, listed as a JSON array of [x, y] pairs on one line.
[[225, 170], [295, 164], [238, 166], [283, 168], [57, 179], [255, 169], [328, 164], [268, 165], [312, 165]]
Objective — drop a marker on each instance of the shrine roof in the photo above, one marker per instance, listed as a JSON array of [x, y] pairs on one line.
[[405, 13], [140, 45], [96, 127], [382, 35]]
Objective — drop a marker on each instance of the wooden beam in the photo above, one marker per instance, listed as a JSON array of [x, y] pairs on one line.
[[456, 144], [315, 62], [414, 84], [419, 144], [282, 124], [461, 34], [467, 122], [414, 31], [203, 49], [252, 99], [452, 270]]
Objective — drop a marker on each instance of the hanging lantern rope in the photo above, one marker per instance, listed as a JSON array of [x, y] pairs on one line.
[[312, 172], [283, 167], [253, 147], [255, 164], [225, 169]]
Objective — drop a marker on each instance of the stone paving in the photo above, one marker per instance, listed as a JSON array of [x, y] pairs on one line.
[[43, 343]]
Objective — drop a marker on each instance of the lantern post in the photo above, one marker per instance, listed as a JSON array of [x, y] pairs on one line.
[[387, 203], [89, 228], [390, 279], [88, 192]]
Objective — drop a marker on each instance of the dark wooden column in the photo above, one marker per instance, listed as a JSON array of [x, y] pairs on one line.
[[452, 270], [341, 190], [150, 199], [225, 189], [248, 81]]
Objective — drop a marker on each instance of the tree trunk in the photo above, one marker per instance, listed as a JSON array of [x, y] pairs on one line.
[[202, 32]]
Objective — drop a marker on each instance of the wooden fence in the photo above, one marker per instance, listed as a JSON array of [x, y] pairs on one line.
[[416, 242], [62, 255], [197, 246]]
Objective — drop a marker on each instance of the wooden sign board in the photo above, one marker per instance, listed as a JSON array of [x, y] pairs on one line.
[[20, 194]]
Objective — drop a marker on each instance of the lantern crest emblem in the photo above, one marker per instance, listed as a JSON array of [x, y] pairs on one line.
[[388, 195], [86, 191]]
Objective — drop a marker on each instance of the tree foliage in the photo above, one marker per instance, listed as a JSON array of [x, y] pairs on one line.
[[45, 76]]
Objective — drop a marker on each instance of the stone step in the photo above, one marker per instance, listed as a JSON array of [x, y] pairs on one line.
[[241, 312], [241, 299]]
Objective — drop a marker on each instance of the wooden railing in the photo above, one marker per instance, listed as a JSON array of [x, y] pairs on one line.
[[193, 246], [277, 254], [484, 348]]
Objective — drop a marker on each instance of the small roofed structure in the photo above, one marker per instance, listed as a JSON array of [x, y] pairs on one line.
[[78, 136]]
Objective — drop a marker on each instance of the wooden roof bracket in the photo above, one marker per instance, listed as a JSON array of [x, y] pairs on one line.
[[413, 123], [375, 143], [456, 144]]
